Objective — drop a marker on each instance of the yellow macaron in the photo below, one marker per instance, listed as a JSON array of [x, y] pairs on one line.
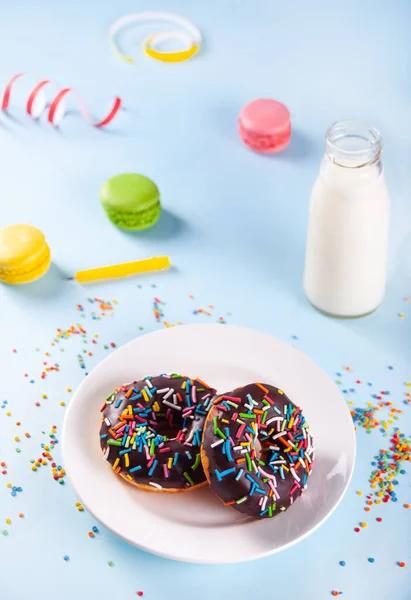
[[24, 254]]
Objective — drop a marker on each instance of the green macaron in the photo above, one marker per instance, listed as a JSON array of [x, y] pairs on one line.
[[131, 201]]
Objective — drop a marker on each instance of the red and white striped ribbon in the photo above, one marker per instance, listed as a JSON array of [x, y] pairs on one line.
[[36, 103]]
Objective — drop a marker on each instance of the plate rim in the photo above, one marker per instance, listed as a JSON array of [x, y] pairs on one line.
[[191, 560]]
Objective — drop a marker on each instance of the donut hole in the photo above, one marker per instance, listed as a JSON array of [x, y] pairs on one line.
[[169, 431]]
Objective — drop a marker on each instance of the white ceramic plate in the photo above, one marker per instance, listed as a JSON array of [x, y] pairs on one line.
[[196, 526]]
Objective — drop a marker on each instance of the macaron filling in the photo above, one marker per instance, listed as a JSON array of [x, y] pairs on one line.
[[28, 270], [265, 141], [134, 219]]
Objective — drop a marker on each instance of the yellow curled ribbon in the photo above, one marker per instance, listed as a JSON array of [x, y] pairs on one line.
[[191, 36]]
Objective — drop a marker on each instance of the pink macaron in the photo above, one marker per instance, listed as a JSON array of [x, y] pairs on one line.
[[265, 125]]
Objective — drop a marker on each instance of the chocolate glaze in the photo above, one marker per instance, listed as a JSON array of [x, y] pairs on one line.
[[235, 435], [169, 412]]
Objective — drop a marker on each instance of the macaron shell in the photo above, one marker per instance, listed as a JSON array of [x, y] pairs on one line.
[[265, 116], [19, 243], [129, 192], [135, 221]]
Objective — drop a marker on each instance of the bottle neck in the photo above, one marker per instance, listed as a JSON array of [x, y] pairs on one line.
[[353, 145]]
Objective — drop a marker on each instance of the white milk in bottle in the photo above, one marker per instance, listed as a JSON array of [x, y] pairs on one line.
[[345, 268]]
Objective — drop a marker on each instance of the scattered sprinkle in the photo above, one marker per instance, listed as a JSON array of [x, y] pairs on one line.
[[377, 417], [157, 309]]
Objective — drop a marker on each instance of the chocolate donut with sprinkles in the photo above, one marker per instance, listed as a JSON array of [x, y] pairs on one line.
[[258, 482], [152, 429]]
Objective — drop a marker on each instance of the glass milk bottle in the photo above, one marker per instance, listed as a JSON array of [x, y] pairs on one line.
[[345, 268]]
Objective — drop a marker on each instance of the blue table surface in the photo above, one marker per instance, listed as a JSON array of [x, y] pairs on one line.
[[234, 225]]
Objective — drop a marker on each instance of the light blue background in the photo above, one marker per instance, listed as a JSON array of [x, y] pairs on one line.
[[234, 225]]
